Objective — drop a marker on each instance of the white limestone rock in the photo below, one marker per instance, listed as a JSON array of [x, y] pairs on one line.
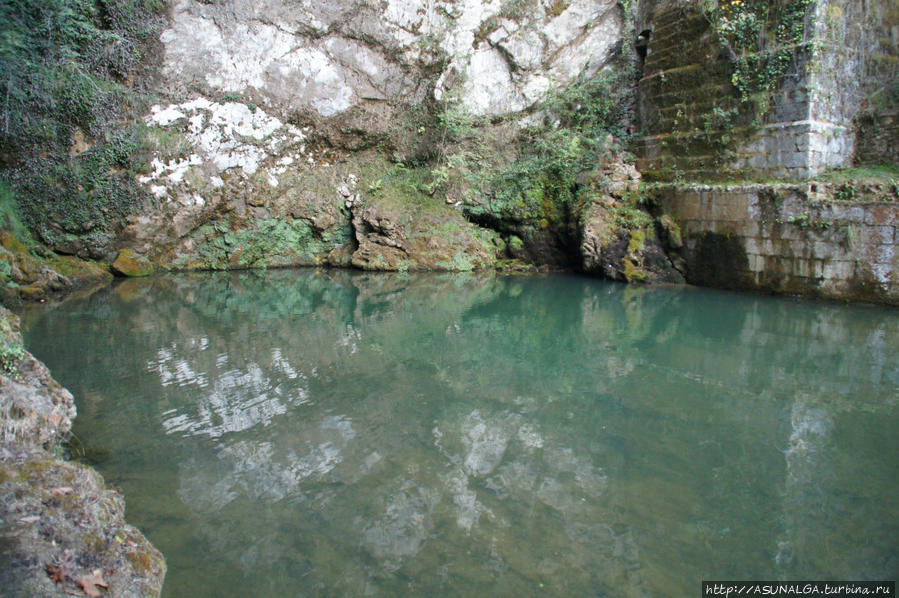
[[328, 59]]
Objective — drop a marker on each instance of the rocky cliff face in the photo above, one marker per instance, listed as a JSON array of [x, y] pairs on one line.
[[365, 62], [285, 117], [448, 134]]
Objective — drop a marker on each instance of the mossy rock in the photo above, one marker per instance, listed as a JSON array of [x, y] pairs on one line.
[[81, 272], [129, 263], [9, 241]]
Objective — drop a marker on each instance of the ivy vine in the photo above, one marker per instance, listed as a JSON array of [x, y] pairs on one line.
[[762, 39]]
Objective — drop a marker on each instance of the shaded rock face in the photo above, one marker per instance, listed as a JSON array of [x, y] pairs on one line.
[[615, 243], [61, 530], [128, 263], [428, 237]]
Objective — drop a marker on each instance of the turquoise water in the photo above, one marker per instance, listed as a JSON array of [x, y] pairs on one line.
[[330, 433]]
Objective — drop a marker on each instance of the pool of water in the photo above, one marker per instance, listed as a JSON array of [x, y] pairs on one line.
[[331, 433]]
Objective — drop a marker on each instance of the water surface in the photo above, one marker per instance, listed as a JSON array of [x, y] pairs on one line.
[[322, 433]]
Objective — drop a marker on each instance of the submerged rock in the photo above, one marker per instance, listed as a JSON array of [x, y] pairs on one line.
[[62, 532]]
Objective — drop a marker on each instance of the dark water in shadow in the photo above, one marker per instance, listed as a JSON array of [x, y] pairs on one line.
[[321, 433]]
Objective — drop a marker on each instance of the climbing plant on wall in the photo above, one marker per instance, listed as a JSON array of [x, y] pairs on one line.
[[762, 39]]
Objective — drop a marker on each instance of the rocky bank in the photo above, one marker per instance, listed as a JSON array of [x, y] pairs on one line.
[[62, 531]]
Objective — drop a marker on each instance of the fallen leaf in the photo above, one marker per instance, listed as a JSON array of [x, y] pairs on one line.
[[91, 584], [56, 573]]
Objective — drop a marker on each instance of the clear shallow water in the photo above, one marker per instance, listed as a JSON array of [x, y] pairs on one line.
[[321, 433]]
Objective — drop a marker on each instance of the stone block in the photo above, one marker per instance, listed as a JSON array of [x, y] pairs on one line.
[[878, 235], [750, 228], [847, 213], [883, 273], [838, 270], [756, 262], [792, 232], [686, 207], [752, 246], [817, 268], [882, 214], [693, 226], [879, 254], [801, 248], [801, 267], [828, 250], [772, 247], [728, 209]]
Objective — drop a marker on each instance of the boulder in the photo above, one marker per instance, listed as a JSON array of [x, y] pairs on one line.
[[129, 263]]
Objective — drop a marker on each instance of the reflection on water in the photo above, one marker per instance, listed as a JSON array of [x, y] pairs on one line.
[[334, 433]]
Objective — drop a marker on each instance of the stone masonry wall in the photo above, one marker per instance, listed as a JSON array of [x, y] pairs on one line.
[[696, 128], [687, 105], [877, 137], [787, 239]]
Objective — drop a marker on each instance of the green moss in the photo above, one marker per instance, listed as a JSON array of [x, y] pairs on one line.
[[633, 272], [531, 176], [11, 350], [461, 262], [129, 263], [10, 217], [270, 238], [883, 174], [77, 269], [260, 244], [62, 62], [637, 239]]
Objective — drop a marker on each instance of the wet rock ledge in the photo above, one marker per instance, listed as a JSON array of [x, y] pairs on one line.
[[62, 532]]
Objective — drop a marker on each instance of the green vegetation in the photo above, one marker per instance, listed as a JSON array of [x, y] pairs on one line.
[[10, 218], [81, 194], [11, 350], [531, 178], [402, 185], [66, 67], [762, 40], [267, 242], [806, 221], [632, 213], [875, 183], [884, 173]]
